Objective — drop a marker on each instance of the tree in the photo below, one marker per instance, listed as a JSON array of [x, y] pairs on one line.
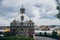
[[58, 15], [40, 33], [45, 33], [54, 34]]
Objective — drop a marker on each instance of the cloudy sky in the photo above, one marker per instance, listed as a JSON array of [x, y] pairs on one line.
[[42, 12]]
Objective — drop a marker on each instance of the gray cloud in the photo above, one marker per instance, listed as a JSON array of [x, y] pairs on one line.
[[0, 2], [35, 9]]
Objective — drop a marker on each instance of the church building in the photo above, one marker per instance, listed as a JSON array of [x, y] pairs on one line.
[[22, 28]]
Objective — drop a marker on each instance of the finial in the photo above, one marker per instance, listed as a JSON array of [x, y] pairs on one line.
[[22, 5]]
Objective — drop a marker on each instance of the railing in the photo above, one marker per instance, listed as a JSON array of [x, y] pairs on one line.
[[50, 36]]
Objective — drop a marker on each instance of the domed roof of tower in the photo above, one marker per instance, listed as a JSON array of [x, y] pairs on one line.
[[22, 10]]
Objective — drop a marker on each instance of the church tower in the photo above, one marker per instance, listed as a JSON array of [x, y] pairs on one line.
[[22, 28], [22, 12]]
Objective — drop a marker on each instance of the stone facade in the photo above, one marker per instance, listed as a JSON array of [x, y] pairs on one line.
[[22, 28]]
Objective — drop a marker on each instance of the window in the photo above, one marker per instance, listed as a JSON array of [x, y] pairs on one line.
[[21, 23]]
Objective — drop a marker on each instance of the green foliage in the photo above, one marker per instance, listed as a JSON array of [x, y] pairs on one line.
[[7, 33], [54, 33], [15, 38], [57, 8], [40, 33], [58, 15], [45, 33]]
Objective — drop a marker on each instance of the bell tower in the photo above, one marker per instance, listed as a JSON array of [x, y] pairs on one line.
[[22, 12]]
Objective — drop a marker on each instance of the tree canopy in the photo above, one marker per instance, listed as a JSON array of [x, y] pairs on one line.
[[58, 15]]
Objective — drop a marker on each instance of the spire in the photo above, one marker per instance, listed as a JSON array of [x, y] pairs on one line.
[[22, 10], [22, 5]]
